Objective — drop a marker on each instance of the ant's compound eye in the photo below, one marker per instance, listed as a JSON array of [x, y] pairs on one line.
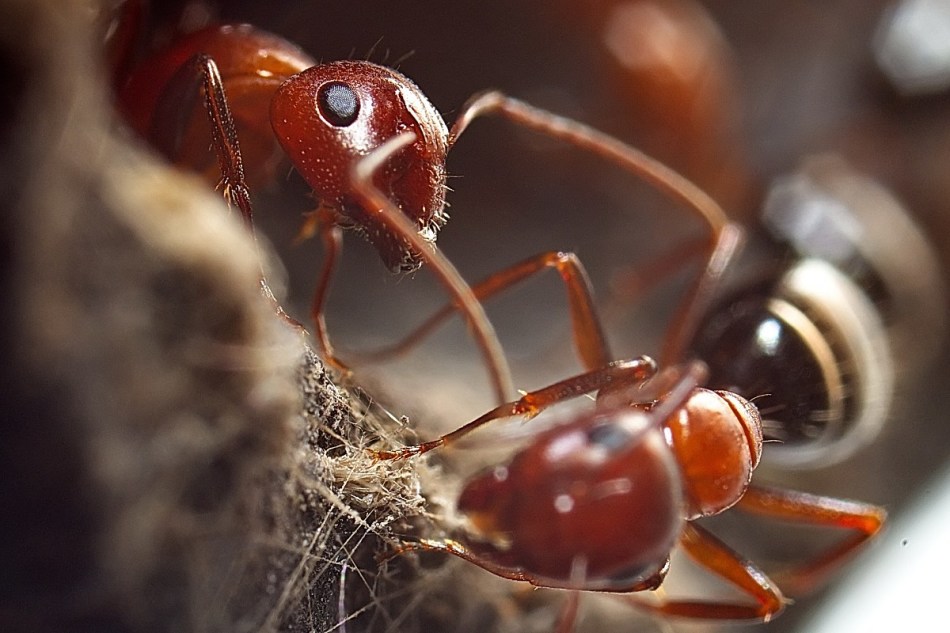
[[338, 104]]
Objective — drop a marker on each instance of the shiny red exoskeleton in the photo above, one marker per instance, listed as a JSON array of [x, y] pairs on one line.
[[264, 96], [598, 502], [373, 149], [595, 504], [322, 116]]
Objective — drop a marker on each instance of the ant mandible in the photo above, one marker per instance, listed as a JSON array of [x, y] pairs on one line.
[[598, 502], [373, 149]]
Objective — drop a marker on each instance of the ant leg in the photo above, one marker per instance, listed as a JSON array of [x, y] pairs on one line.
[[725, 236], [458, 550], [567, 617], [709, 552], [628, 283], [394, 219], [169, 124], [727, 243], [864, 518], [331, 235], [720, 559], [450, 546], [170, 121], [532, 403], [589, 338], [631, 282]]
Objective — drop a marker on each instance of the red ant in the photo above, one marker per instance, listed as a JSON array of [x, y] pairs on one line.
[[329, 118], [373, 149], [597, 503]]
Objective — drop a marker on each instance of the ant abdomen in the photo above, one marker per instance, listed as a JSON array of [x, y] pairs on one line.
[[817, 342], [812, 349]]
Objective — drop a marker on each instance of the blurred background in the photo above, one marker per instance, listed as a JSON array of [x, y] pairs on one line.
[[734, 94]]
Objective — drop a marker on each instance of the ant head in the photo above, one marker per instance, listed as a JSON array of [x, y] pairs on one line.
[[330, 116]]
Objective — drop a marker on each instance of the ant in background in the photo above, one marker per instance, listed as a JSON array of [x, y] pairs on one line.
[[598, 502]]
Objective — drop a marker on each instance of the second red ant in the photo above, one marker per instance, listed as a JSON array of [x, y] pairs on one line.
[[598, 502]]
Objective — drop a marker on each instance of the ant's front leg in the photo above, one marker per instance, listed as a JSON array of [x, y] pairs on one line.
[[456, 549], [589, 338], [619, 373], [324, 222], [196, 77], [460, 550]]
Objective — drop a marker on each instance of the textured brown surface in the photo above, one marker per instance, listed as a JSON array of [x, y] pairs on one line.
[[173, 457]]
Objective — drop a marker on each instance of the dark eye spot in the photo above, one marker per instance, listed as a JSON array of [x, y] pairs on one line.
[[338, 104]]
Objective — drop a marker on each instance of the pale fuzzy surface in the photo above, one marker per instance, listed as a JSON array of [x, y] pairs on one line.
[[177, 460]]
